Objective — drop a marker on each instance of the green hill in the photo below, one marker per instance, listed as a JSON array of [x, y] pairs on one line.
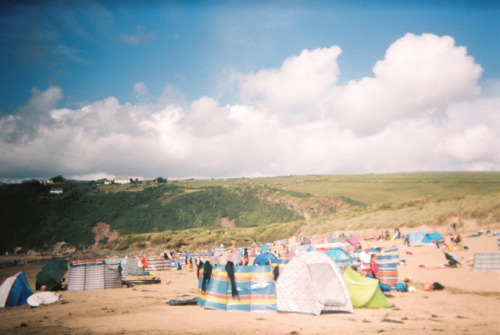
[[199, 213]]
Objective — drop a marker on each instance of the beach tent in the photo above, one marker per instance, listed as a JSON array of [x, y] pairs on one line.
[[312, 283], [341, 257], [52, 274], [365, 292], [265, 258], [93, 274], [14, 291], [432, 238], [416, 237], [256, 290]]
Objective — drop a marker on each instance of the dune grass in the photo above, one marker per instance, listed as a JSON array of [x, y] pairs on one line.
[[403, 201]]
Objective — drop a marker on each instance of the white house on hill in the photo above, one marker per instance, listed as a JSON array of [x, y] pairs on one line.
[[122, 180]]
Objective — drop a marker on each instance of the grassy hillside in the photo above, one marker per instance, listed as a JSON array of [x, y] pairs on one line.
[[238, 211], [32, 217]]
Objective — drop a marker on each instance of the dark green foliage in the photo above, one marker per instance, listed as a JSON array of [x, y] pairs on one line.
[[57, 179], [32, 217], [160, 180]]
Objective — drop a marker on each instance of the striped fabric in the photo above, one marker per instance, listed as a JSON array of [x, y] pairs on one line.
[[201, 298], [161, 264], [255, 285], [287, 255], [487, 261], [219, 251], [205, 253], [112, 276], [93, 274], [130, 267], [388, 262], [355, 256]]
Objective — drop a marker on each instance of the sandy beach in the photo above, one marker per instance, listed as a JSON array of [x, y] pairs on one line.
[[468, 304]]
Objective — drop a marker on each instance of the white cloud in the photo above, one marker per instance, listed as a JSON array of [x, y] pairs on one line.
[[140, 36], [422, 110], [419, 75], [140, 88], [472, 144], [300, 80]]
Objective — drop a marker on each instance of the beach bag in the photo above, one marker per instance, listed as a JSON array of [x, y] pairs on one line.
[[401, 287], [385, 287]]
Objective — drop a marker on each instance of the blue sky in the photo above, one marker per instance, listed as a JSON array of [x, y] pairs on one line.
[[209, 71]]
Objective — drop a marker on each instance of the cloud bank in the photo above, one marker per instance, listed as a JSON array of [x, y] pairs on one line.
[[421, 110]]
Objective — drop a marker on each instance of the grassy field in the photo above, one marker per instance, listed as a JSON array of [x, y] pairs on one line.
[[375, 188], [404, 201]]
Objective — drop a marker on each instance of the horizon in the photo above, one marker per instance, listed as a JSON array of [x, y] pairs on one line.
[[152, 179]]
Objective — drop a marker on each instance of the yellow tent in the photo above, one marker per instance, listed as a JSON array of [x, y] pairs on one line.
[[365, 292]]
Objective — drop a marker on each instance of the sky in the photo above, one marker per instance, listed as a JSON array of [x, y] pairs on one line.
[[220, 89]]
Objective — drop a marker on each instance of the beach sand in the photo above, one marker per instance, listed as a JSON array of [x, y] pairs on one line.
[[469, 304]]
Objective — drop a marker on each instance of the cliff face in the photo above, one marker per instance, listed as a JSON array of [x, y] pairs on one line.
[[103, 232], [312, 207]]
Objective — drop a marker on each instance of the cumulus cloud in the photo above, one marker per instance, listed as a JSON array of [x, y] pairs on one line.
[[300, 80], [421, 110], [419, 75]]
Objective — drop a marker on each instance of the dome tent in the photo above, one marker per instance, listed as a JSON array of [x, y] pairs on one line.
[[312, 283], [14, 291]]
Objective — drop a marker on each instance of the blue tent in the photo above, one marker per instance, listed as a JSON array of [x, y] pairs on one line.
[[416, 238], [266, 258], [433, 237], [14, 291], [340, 256]]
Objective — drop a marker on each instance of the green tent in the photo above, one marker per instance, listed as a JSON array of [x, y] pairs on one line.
[[52, 274], [365, 292]]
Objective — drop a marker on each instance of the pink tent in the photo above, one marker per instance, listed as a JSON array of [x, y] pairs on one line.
[[353, 241]]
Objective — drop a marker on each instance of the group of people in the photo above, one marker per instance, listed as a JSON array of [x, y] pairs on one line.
[[170, 254]]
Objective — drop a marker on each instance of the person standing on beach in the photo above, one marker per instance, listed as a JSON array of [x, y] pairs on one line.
[[365, 259]]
